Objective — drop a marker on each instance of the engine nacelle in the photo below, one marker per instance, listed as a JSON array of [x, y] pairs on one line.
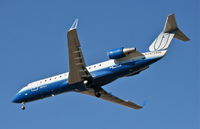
[[120, 52]]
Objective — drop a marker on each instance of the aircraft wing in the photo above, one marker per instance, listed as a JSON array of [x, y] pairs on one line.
[[109, 97], [77, 67]]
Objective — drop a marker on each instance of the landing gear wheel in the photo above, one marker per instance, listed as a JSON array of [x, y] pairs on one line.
[[23, 106], [97, 94]]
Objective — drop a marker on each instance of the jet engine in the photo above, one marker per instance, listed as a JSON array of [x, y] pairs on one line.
[[120, 52]]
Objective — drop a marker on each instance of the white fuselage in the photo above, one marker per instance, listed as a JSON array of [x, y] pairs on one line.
[[107, 70]]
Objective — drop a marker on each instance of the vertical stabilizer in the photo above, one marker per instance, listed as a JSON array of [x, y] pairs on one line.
[[170, 31]]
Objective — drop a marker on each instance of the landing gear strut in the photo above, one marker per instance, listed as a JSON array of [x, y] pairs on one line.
[[97, 91], [23, 106], [96, 88]]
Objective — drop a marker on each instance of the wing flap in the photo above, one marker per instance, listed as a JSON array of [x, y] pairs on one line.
[[111, 98]]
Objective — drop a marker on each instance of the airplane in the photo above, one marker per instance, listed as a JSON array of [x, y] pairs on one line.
[[123, 62]]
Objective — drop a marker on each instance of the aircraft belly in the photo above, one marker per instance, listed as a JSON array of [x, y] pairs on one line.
[[107, 75]]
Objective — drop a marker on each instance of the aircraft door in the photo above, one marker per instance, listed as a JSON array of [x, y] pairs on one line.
[[34, 87]]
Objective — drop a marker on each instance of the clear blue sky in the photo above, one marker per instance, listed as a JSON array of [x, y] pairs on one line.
[[33, 46]]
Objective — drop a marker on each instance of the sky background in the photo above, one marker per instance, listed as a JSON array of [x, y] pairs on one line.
[[34, 46]]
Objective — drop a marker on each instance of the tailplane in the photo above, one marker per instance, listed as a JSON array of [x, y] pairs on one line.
[[170, 31]]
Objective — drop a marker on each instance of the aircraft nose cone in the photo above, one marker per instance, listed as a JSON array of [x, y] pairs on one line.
[[16, 99]]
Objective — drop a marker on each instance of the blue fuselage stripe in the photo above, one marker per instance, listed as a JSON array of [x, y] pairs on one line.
[[101, 77]]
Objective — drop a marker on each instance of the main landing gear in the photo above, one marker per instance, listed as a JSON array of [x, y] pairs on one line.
[[96, 89], [97, 94], [23, 106]]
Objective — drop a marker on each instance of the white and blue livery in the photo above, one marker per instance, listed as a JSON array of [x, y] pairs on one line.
[[90, 80]]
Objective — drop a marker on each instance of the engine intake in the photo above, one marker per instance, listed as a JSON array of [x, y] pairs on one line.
[[120, 52]]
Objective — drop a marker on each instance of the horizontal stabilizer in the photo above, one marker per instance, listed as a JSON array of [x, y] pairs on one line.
[[171, 26], [181, 36]]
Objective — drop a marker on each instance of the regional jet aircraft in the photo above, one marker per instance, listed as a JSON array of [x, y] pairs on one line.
[[123, 62]]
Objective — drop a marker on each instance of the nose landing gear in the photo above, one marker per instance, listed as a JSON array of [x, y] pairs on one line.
[[23, 106]]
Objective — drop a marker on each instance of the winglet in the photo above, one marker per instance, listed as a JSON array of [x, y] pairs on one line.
[[74, 25]]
